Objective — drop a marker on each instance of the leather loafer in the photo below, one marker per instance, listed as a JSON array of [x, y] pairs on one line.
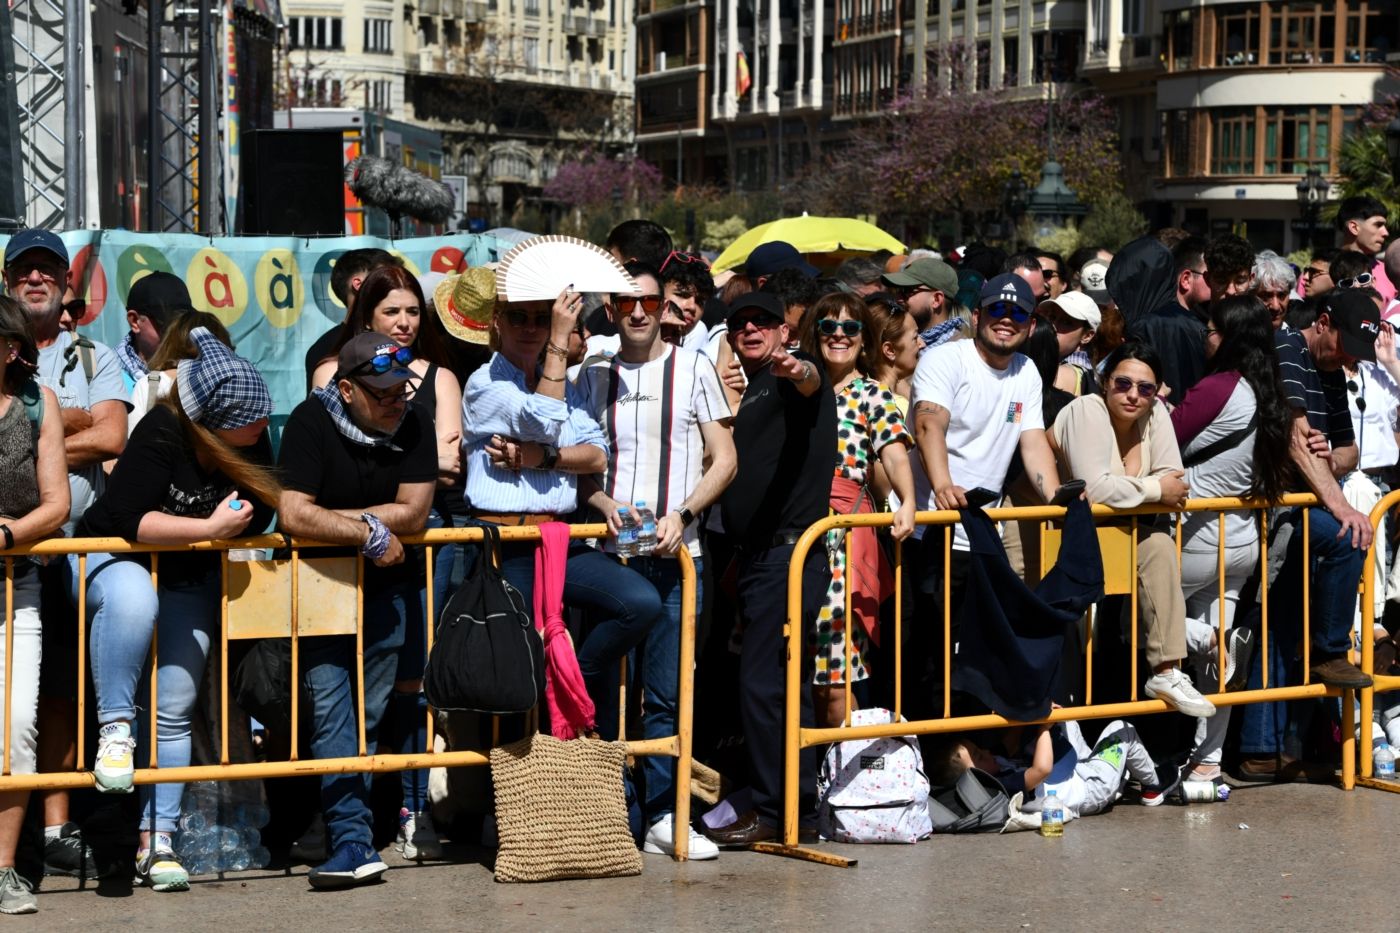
[[748, 829]]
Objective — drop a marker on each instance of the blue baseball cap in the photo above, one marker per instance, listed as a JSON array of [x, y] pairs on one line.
[[768, 259], [33, 238], [1009, 287]]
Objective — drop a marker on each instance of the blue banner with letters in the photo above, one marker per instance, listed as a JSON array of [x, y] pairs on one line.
[[273, 293]]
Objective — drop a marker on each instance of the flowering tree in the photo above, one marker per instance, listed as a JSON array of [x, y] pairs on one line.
[[594, 181]]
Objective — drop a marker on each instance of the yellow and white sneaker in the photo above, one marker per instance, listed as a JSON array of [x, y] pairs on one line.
[[159, 867], [116, 750]]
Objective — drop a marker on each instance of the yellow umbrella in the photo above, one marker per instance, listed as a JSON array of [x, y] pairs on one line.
[[810, 235]]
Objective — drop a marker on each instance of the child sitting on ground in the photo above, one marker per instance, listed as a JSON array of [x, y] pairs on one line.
[[1086, 780]]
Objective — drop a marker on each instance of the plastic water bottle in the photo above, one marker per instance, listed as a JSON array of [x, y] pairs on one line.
[[646, 533], [1052, 816], [628, 534], [1384, 758]]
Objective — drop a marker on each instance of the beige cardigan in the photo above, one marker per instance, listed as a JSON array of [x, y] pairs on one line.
[[1086, 449]]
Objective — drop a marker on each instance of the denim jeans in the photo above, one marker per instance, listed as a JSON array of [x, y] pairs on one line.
[[1335, 572], [659, 666], [123, 610], [623, 607], [329, 679]]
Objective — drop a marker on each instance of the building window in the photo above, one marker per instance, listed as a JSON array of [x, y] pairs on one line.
[[379, 96], [1237, 29], [532, 7], [1132, 17], [1371, 31], [1181, 40], [1102, 11], [1057, 54], [1302, 34], [1010, 62], [315, 32], [1178, 133], [1232, 150], [1296, 139], [532, 53], [984, 65], [379, 35]]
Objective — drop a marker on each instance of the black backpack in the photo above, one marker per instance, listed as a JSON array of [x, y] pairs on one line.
[[977, 803], [487, 656]]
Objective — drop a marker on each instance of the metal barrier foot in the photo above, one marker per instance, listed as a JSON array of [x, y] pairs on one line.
[[806, 855]]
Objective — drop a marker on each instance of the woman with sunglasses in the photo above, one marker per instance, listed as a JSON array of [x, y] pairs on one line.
[[1122, 445], [1234, 429], [390, 302], [870, 428], [197, 468]]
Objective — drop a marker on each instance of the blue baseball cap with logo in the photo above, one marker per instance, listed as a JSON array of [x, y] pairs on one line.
[[1009, 287], [768, 259], [33, 238]]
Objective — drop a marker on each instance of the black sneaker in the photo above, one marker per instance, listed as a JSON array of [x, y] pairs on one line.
[[69, 855], [1168, 777]]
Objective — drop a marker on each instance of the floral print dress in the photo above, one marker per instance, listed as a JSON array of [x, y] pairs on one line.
[[867, 419]]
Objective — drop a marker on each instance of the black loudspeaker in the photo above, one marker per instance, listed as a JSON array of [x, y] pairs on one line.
[[294, 182]]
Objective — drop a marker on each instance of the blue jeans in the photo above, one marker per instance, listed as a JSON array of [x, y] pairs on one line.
[[1335, 572], [623, 607], [329, 679], [123, 610], [659, 666]]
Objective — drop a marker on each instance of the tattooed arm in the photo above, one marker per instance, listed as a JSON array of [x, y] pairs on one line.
[[1040, 463], [931, 433]]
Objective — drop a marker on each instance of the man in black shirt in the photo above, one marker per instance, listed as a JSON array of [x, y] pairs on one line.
[[359, 465], [785, 438], [347, 274], [1143, 280]]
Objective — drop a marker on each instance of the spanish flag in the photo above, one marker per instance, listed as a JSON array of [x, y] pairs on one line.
[[742, 81]]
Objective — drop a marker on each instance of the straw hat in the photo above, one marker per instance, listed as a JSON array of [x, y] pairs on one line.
[[465, 303]]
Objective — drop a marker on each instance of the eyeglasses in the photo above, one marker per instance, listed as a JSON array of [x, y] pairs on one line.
[[383, 362], [1001, 309], [828, 328], [1311, 273], [761, 321], [525, 319], [682, 257], [651, 304], [1144, 389], [1357, 281], [387, 396], [1049, 273]]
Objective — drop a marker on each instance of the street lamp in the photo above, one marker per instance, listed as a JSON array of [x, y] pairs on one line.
[[1312, 194], [1053, 202], [1013, 201]]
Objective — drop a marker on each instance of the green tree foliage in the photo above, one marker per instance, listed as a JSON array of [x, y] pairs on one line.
[[1113, 222]]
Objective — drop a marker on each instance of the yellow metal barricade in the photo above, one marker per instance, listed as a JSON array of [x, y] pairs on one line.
[[309, 596], [1120, 563], [1382, 683]]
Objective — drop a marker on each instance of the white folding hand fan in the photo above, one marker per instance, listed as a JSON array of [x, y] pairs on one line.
[[539, 268]]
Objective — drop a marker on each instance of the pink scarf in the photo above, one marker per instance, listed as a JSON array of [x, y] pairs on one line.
[[570, 707]]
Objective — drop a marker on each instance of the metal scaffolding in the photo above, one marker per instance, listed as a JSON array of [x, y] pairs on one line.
[[49, 87], [183, 102]]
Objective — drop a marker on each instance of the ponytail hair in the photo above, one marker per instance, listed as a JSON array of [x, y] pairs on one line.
[[259, 480]]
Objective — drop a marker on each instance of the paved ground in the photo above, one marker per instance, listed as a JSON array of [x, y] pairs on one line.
[[1308, 860]]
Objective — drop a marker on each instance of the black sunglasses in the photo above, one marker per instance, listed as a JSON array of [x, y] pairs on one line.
[[1144, 389], [828, 328], [1001, 309], [762, 321], [525, 319], [651, 304], [383, 362]]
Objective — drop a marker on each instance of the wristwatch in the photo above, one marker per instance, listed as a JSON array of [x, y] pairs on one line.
[[549, 456], [686, 515]]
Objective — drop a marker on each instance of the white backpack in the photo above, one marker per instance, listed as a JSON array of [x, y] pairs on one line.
[[873, 790]]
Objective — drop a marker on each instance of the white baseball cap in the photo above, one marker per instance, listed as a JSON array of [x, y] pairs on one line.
[[1078, 306]]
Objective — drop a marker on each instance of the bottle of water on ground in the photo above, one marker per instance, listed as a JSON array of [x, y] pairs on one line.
[[1052, 816], [627, 534], [219, 834], [1384, 758], [646, 530]]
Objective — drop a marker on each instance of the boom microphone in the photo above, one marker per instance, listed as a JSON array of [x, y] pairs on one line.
[[398, 190]]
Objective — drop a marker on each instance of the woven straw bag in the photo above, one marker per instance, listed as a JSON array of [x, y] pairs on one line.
[[560, 810]]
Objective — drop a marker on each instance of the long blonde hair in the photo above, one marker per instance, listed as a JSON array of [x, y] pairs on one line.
[[249, 477]]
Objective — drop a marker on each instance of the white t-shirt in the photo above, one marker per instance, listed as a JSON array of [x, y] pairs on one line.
[[651, 415], [1375, 427], [141, 401], [989, 410]]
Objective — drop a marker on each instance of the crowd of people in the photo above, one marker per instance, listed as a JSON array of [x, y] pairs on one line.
[[741, 408]]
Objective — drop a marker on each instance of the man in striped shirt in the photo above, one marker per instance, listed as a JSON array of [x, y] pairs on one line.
[[664, 413]]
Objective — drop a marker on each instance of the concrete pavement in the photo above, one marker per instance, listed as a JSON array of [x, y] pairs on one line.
[[1312, 857]]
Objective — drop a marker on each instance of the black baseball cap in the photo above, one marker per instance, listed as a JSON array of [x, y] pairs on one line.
[[768, 259], [1009, 287], [1357, 320], [159, 296], [762, 301], [33, 238], [361, 350]]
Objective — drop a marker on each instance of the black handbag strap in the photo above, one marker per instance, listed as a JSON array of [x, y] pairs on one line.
[[1215, 448]]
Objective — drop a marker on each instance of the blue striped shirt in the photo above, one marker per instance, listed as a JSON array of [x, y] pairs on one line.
[[496, 401]]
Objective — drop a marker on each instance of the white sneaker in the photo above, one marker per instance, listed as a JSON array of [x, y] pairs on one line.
[[417, 837], [1174, 687], [115, 766], [660, 841]]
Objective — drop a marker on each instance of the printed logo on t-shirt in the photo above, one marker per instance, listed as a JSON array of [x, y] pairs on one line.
[[635, 398], [1013, 412]]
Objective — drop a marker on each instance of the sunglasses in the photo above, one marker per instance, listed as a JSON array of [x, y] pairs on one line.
[[762, 321], [651, 304], [1357, 281], [686, 258], [1144, 389], [76, 307], [829, 328], [1311, 273], [525, 319], [1001, 309], [383, 362]]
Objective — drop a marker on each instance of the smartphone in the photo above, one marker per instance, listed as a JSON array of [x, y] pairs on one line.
[[1068, 492], [980, 497]]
